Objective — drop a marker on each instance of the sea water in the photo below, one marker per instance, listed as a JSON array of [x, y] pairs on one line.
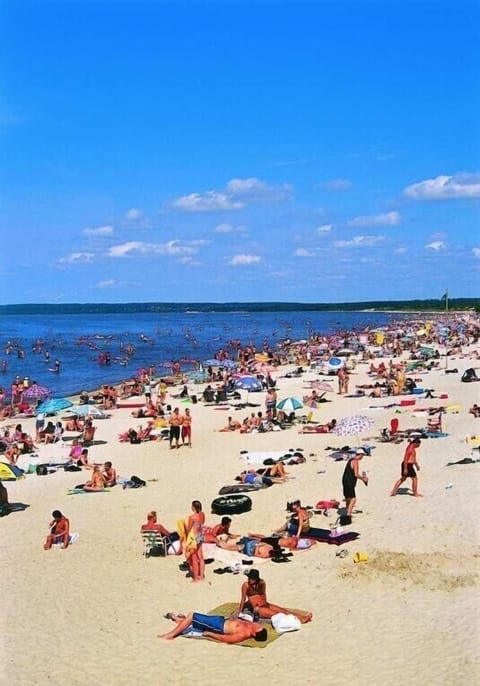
[[79, 340]]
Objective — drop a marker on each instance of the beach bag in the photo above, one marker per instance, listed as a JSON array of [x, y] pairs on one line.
[[282, 623]]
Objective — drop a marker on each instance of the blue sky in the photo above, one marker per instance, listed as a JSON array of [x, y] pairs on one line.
[[239, 151]]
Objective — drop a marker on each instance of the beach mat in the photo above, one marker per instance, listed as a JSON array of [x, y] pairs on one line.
[[227, 610], [239, 488], [324, 536]]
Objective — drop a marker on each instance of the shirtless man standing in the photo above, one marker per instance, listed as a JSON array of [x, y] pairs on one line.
[[409, 464], [215, 627]]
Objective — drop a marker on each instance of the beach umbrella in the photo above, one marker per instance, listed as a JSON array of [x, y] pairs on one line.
[[54, 405], [322, 386], [248, 383], [87, 411], [36, 392], [10, 472], [353, 426], [289, 404]]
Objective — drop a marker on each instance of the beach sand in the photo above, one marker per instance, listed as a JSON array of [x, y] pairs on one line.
[[91, 614]]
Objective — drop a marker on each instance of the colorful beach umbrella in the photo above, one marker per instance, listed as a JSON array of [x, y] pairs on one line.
[[54, 405], [36, 392], [353, 426], [10, 472], [290, 404]]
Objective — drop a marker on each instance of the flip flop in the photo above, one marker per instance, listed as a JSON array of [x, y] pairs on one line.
[[342, 553]]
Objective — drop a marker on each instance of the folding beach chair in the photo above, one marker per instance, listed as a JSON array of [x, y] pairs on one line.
[[154, 544]]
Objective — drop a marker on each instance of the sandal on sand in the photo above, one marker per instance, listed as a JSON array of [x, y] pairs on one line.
[[219, 571], [342, 553]]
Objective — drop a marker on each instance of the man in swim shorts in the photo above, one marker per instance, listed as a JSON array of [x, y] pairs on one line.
[[408, 469], [215, 627]]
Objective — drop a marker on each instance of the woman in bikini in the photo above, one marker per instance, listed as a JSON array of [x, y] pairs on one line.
[[194, 556]]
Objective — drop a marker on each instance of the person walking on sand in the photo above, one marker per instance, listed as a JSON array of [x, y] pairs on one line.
[[409, 465], [350, 476], [254, 599], [216, 627]]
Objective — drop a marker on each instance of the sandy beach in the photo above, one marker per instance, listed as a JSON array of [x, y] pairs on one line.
[[409, 614]]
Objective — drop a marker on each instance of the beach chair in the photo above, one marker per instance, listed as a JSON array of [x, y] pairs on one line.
[[434, 424], [154, 544]]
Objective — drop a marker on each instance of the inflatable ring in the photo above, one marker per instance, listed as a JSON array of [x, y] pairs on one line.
[[231, 504]]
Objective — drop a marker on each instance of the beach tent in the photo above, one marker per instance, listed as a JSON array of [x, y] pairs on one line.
[[9, 472]]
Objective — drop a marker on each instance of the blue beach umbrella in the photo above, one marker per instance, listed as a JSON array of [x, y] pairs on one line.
[[248, 383], [54, 405]]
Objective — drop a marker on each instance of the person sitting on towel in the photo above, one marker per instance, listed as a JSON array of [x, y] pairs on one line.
[[59, 531], [254, 599]]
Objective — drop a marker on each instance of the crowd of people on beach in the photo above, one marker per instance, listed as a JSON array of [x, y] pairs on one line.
[[175, 426]]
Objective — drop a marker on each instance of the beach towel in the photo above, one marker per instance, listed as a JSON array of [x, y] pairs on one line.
[[325, 536]]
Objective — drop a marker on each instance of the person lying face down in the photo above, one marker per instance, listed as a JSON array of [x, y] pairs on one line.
[[215, 627]]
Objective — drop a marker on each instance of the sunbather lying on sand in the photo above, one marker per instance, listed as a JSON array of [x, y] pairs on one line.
[[256, 545], [215, 627], [318, 428], [264, 476]]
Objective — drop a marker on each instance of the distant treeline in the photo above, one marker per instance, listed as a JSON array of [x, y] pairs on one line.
[[128, 308]]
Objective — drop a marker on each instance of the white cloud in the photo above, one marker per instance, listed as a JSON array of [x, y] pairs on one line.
[[236, 195], [228, 228], [436, 245], [77, 258], [359, 242], [400, 251], [476, 252], [98, 231], [211, 201], [445, 187], [171, 248], [325, 228], [255, 190], [303, 252], [242, 260], [133, 214], [108, 283], [337, 185], [386, 219]]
